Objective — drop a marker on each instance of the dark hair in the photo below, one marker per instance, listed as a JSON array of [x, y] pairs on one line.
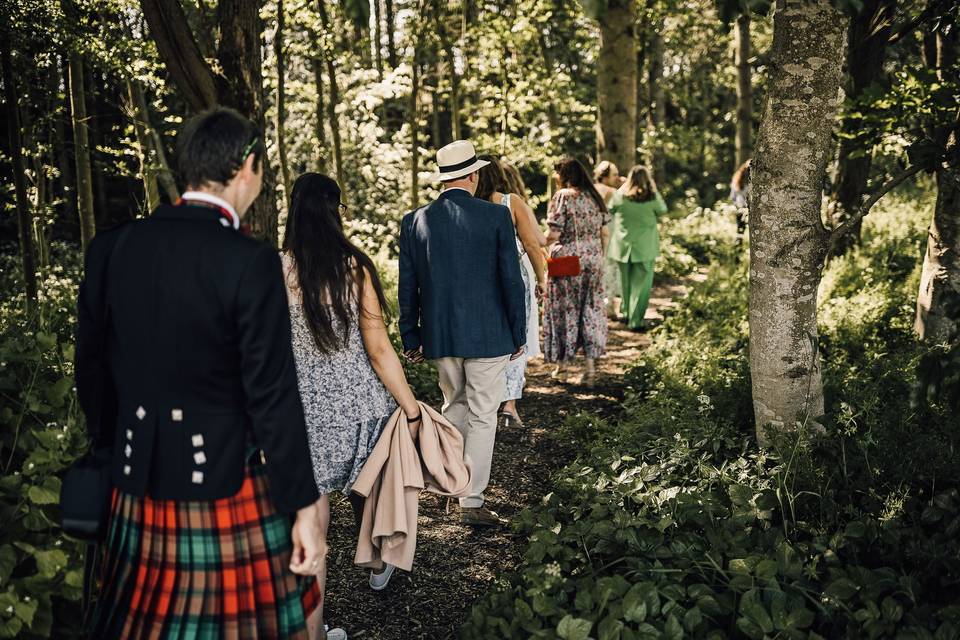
[[491, 179], [573, 174], [742, 176], [639, 184], [330, 268], [212, 146]]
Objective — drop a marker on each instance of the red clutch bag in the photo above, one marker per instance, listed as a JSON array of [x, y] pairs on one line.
[[563, 266]]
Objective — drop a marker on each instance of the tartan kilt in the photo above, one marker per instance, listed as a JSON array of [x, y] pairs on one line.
[[202, 569]]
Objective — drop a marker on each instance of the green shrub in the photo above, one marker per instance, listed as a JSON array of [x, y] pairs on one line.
[[41, 433], [672, 523]]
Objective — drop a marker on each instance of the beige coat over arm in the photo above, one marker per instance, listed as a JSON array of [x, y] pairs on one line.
[[393, 476]]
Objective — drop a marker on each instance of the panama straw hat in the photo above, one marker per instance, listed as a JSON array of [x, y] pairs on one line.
[[456, 160]]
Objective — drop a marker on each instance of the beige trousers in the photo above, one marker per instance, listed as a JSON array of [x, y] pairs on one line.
[[472, 391]]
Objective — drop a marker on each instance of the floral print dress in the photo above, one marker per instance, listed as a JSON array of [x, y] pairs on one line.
[[344, 403], [573, 316]]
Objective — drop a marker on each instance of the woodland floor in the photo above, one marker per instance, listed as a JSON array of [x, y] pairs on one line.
[[455, 564]]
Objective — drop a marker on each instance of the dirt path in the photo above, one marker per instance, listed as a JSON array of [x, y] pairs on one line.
[[455, 564]]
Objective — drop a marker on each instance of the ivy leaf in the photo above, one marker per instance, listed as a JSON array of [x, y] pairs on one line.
[[634, 603], [842, 589], [26, 610], [571, 628], [10, 628], [610, 628], [50, 563], [752, 607], [749, 629], [42, 495], [8, 560], [672, 630]]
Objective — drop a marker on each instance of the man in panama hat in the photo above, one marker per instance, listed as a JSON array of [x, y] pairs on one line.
[[462, 306]]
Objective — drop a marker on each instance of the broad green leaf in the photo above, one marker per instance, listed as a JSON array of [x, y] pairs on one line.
[[571, 628], [51, 562], [634, 603], [842, 589]]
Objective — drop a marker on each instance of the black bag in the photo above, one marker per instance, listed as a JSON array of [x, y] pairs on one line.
[[85, 496], [86, 488]]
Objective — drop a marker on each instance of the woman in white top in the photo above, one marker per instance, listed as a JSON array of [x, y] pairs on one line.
[[530, 240]]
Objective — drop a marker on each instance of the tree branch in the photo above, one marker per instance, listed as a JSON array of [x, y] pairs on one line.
[[935, 8], [178, 48], [864, 209]]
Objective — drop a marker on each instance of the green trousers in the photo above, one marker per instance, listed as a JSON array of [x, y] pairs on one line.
[[637, 280]]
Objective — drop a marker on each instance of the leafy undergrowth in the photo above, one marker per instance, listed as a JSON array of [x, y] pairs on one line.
[[672, 523]]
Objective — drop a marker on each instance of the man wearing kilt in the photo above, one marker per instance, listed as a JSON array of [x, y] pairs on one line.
[[185, 370]]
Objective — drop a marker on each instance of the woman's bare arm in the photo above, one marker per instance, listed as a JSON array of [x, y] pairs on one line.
[[379, 349], [531, 236]]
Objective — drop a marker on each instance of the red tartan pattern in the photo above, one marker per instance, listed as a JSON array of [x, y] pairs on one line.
[[216, 569]]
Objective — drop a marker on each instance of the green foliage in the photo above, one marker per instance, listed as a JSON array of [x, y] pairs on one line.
[[41, 433], [672, 523]]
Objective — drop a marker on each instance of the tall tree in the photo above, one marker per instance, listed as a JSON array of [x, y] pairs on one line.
[[869, 33], [28, 258], [938, 301], [787, 237], [81, 149], [391, 34], [617, 83], [151, 186], [415, 126], [334, 99], [656, 100], [378, 39], [239, 85], [744, 146], [281, 107], [321, 116]]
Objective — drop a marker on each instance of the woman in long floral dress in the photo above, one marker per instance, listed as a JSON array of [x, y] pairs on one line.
[[574, 315]]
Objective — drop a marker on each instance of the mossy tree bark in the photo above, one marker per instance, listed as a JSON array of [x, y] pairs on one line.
[[788, 240], [938, 301], [617, 84], [81, 150]]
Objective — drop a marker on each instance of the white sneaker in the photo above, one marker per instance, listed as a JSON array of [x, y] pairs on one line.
[[379, 581], [336, 634]]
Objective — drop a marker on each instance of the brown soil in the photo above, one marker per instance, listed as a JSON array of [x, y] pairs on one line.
[[456, 564]]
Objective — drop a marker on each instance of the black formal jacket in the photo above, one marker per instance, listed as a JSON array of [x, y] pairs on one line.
[[184, 360], [460, 289]]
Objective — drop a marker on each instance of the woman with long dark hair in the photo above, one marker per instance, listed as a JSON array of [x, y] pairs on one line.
[[573, 317], [350, 377], [635, 241], [494, 186]]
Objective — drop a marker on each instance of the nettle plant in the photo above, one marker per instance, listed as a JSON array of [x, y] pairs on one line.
[[41, 433]]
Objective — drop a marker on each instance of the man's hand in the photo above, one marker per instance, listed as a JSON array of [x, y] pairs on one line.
[[414, 355], [309, 547], [519, 352]]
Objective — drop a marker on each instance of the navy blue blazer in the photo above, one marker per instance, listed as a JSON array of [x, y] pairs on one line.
[[461, 293]]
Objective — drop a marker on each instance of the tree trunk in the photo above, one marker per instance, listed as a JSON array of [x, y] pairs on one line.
[[938, 301], [239, 85], [617, 85], [281, 108], [788, 241], [81, 150], [164, 173], [744, 90], [332, 117], [378, 39], [414, 128], [28, 257], [866, 51], [657, 105], [641, 85], [68, 183], [391, 43], [151, 188], [240, 58], [321, 117], [178, 49]]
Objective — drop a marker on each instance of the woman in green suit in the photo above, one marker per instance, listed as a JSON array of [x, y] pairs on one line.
[[635, 242]]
